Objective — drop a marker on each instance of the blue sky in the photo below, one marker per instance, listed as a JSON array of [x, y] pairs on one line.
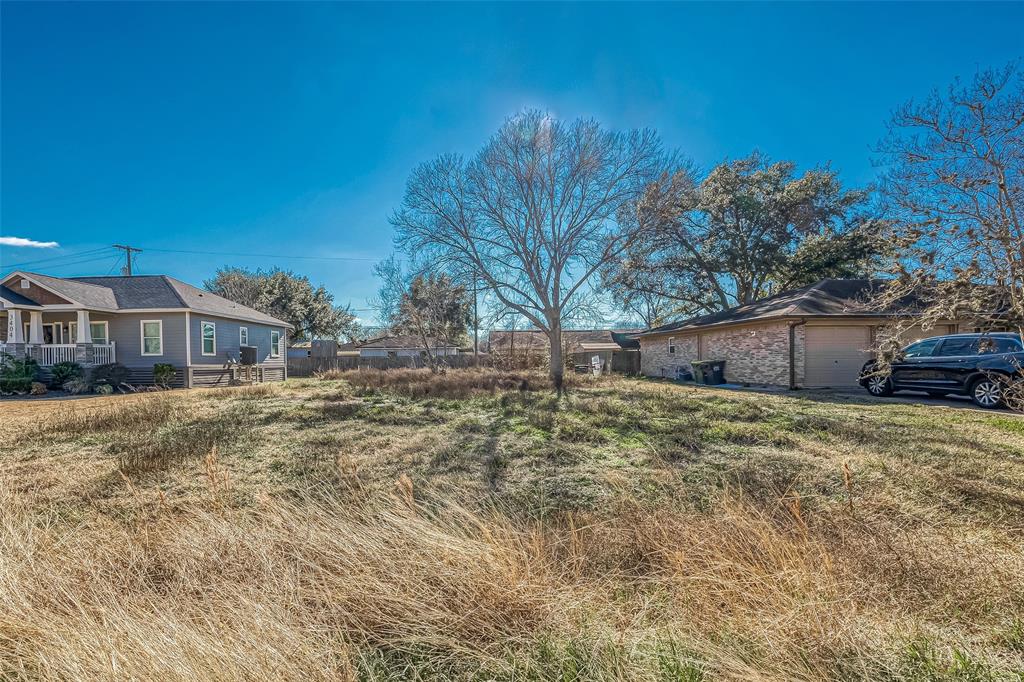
[[290, 129]]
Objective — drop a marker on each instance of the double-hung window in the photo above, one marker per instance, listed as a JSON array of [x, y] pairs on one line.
[[275, 344], [209, 337], [243, 336], [671, 345], [152, 337]]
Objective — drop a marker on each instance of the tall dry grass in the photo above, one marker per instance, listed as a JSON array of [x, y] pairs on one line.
[[461, 383], [414, 584]]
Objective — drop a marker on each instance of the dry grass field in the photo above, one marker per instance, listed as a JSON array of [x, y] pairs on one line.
[[393, 526]]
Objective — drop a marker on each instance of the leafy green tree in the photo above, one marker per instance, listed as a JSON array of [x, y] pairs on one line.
[[289, 297], [748, 229]]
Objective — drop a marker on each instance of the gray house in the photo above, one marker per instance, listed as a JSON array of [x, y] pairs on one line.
[[139, 321]]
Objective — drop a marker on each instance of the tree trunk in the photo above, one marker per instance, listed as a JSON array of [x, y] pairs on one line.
[[557, 369]]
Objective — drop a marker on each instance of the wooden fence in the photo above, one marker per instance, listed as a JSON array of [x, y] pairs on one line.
[[627, 363]]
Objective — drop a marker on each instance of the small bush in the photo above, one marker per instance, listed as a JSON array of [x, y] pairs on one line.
[[163, 374], [103, 389], [37, 388], [18, 368], [15, 384], [76, 386], [63, 372], [111, 375]]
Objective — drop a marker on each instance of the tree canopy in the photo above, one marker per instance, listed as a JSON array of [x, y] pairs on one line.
[[289, 297], [746, 230]]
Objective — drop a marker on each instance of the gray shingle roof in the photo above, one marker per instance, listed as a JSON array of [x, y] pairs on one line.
[[827, 298], [141, 292], [83, 292]]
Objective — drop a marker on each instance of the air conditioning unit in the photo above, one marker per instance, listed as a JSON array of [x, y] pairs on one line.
[[248, 355]]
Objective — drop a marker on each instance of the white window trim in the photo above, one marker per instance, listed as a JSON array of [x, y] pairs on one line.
[[73, 331], [142, 338], [240, 341], [671, 345], [275, 348], [202, 338]]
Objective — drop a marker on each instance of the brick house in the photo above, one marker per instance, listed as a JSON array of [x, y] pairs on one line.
[[817, 336]]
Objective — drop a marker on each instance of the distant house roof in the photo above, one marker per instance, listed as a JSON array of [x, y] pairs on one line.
[[403, 342], [827, 298], [508, 340], [144, 292]]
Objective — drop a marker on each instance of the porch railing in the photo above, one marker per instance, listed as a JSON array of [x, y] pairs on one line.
[[103, 353], [49, 354]]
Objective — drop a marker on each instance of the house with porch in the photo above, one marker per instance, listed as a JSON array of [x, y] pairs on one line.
[[139, 321]]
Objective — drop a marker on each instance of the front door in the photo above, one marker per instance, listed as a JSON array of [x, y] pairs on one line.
[[52, 332]]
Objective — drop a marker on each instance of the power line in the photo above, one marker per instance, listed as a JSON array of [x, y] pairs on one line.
[[266, 255], [53, 258]]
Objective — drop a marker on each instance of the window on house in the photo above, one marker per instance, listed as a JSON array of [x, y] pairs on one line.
[[243, 336], [98, 331], [25, 284], [671, 345], [152, 337], [209, 335], [275, 344]]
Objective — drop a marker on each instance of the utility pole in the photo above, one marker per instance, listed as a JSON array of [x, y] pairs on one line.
[[127, 269]]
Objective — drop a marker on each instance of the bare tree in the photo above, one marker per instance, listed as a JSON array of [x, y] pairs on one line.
[[533, 214], [954, 193]]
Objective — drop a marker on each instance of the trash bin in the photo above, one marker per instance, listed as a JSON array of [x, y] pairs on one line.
[[709, 372]]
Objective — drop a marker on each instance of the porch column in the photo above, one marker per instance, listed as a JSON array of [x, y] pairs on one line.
[[35, 328], [83, 342], [84, 332], [15, 333], [15, 328]]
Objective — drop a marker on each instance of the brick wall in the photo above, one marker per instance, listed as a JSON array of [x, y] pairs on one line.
[[656, 361], [753, 354]]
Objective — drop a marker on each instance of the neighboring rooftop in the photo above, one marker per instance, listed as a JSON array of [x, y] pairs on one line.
[[826, 298], [403, 342], [514, 340]]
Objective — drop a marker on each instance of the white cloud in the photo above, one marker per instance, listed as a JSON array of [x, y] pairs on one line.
[[21, 241]]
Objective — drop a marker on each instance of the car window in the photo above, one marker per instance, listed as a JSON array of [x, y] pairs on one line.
[[955, 347], [999, 345], [920, 349]]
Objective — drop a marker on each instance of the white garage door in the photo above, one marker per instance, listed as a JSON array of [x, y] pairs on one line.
[[835, 355]]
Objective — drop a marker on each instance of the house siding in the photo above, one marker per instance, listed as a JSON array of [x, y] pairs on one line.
[[126, 332], [227, 341]]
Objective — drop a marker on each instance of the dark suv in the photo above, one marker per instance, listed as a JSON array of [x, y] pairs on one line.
[[976, 365]]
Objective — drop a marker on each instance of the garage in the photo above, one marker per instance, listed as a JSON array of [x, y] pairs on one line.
[[835, 355]]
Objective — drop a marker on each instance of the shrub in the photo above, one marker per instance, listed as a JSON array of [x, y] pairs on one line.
[[63, 372], [15, 384], [113, 375], [18, 368], [163, 374], [103, 389], [76, 386], [37, 388]]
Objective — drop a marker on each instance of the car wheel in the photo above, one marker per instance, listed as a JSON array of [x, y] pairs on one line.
[[987, 393], [879, 386]]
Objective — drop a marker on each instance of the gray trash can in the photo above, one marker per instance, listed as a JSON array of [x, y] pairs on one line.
[[709, 372]]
